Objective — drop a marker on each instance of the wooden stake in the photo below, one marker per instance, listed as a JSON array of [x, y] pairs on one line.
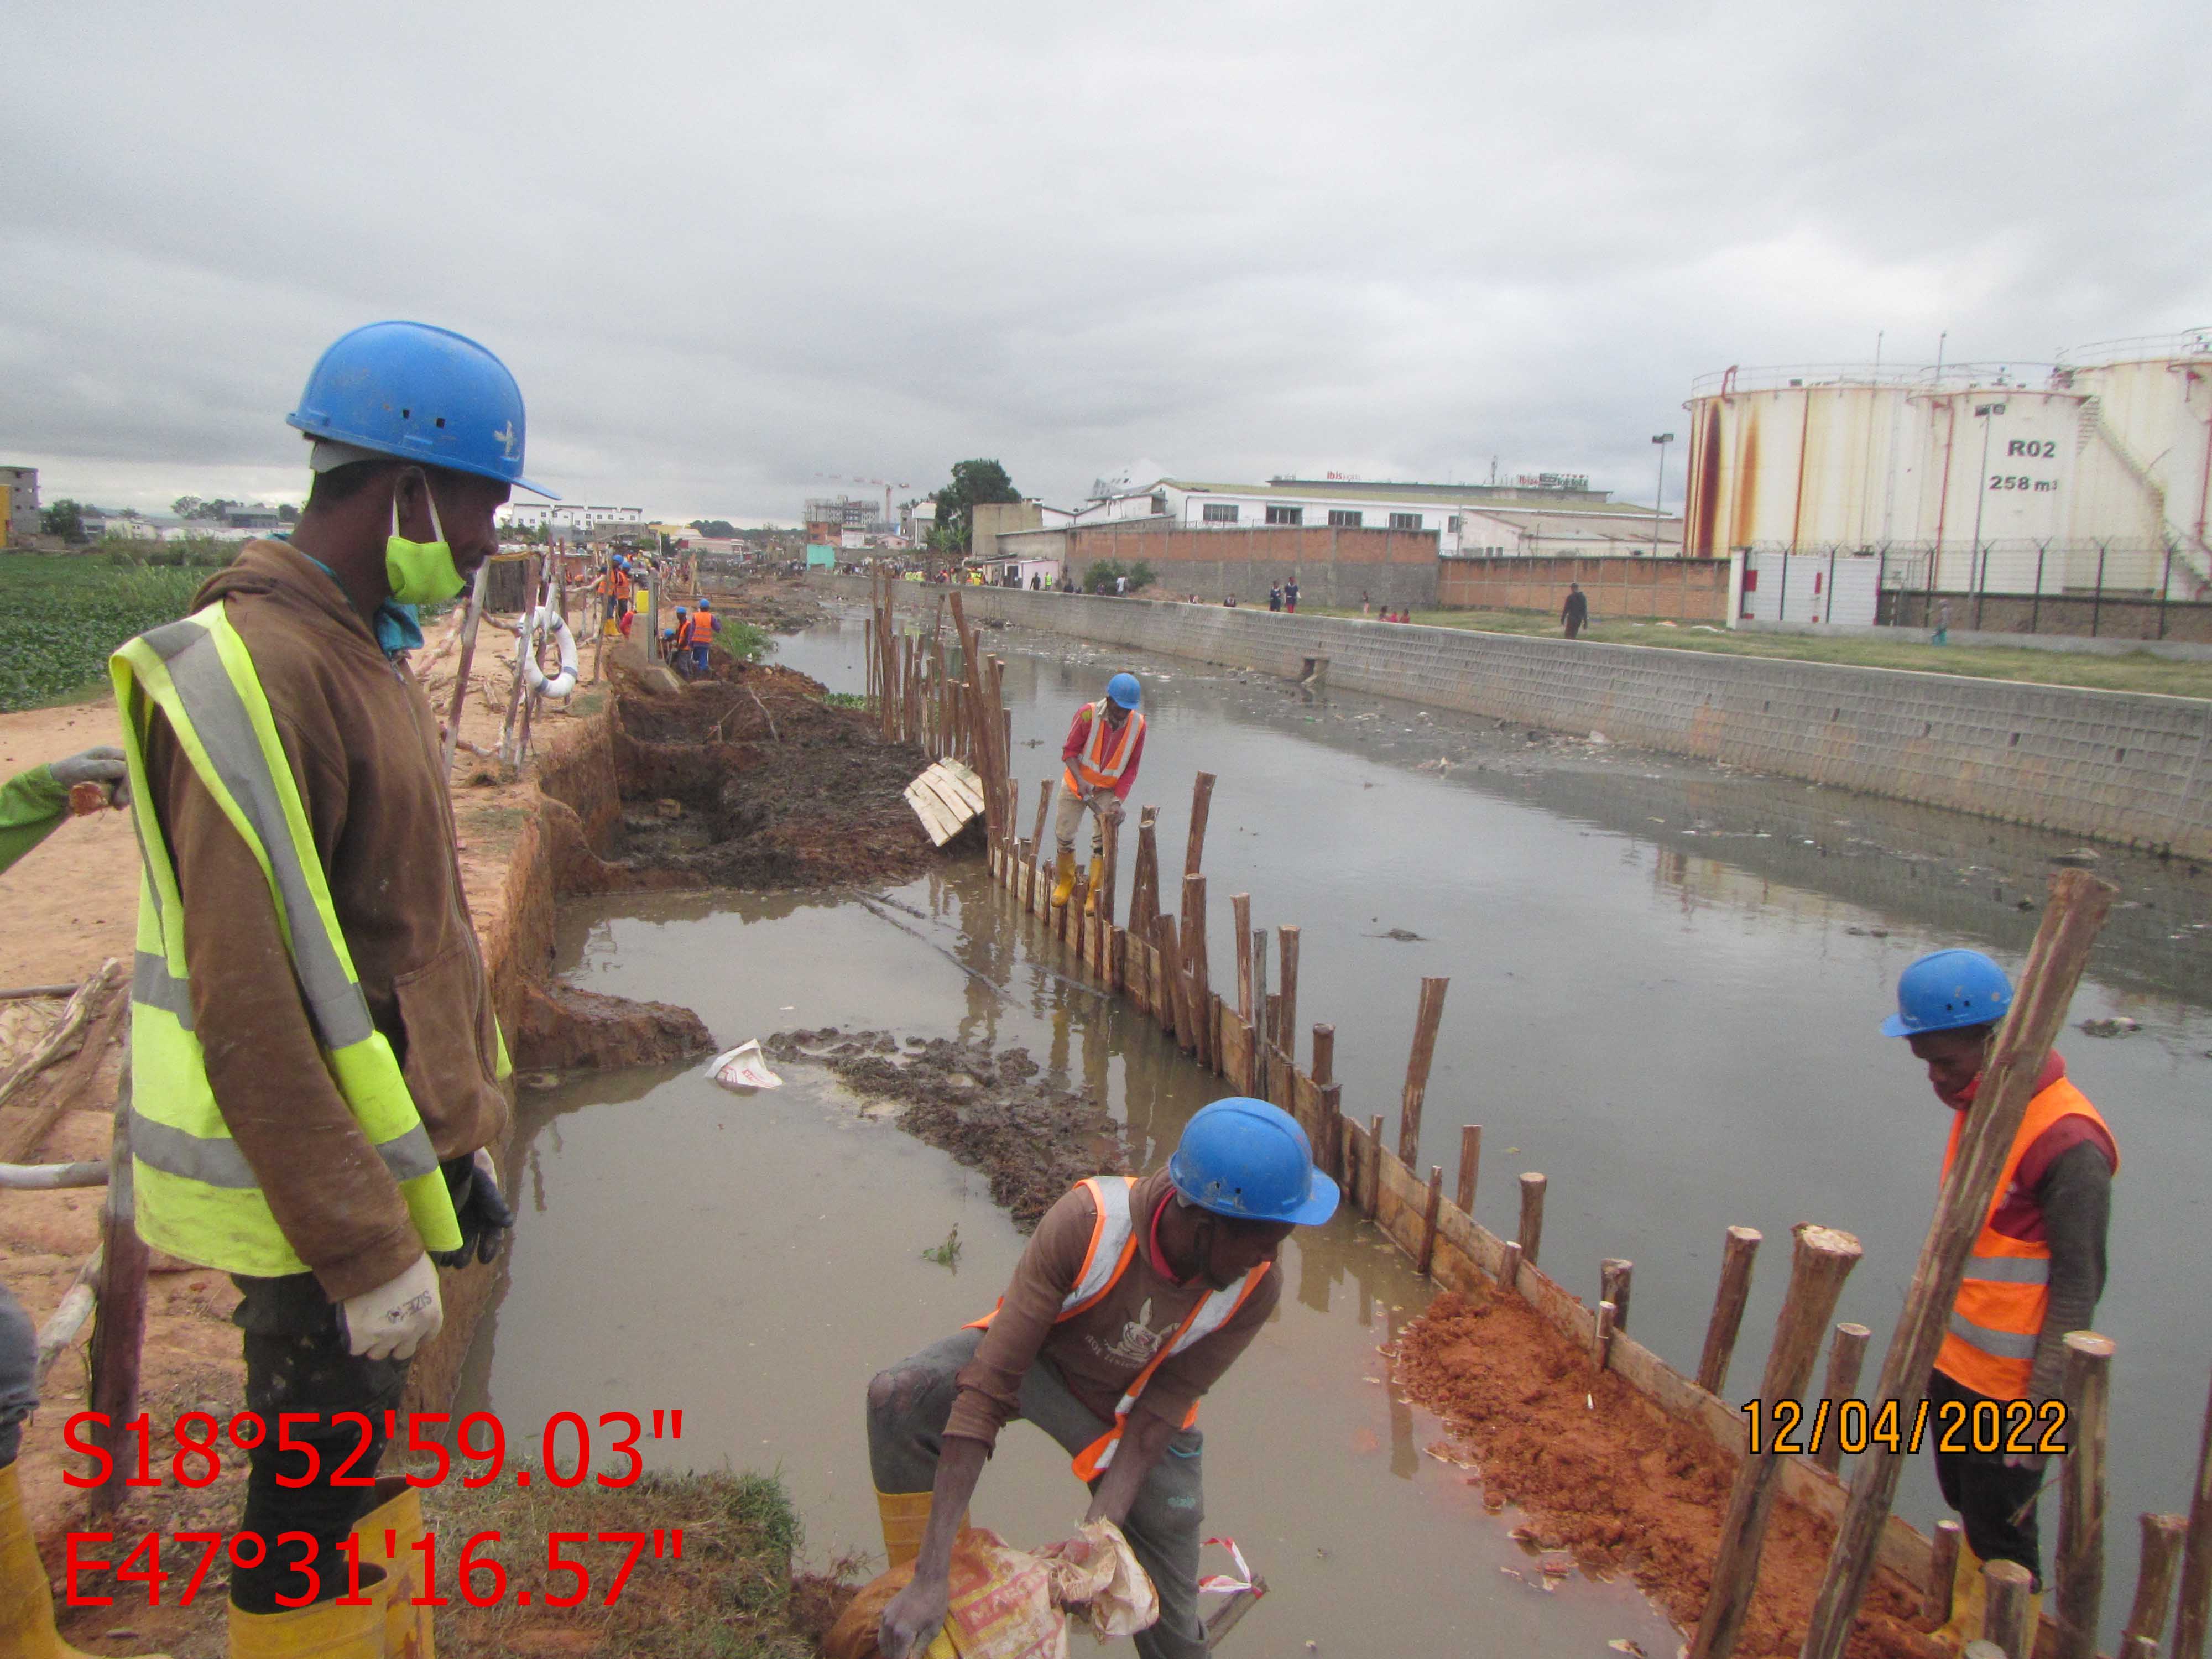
[[1942, 1571], [1821, 1259], [1509, 1267], [1106, 881], [1530, 1237], [470, 622], [2192, 1621], [1427, 1257], [1261, 1005], [2079, 904], [1145, 886], [1427, 1017], [1194, 965], [118, 1329], [1601, 1339], [1202, 802], [1370, 1199], [1324, 1055], [1842, 1383], [1614, 1277], [2080, 1562], [1470, 1166], [1286, 1030], [2161, 1553], [1736, 1253], [2133, 1647], [2007, 1586], [1240, 916]]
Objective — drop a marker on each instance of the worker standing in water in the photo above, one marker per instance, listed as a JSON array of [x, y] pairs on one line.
[[2037, 1269], [32, 805], [1132, 1299], [1105, 741], [317, 1070]]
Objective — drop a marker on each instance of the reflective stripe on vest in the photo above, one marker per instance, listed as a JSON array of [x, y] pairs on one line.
[[198, 1197], [1094, 767], [1989, 1343]]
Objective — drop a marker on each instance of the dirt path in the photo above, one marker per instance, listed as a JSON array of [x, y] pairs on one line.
[[1609, 1479]]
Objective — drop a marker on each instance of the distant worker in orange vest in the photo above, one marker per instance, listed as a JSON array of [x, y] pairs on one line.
[[1132, 1299], [705, 624], [1105, 743], [2037, 1270]]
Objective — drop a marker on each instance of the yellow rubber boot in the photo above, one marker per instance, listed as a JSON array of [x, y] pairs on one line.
[[27, 1602], [388, 1535], [328, 1630], [1063, 877], [1098, 875], [1965, 1624], [905, 1516]]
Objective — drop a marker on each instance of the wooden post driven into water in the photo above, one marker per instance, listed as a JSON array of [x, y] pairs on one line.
[[1240, 917], [2079, 904], [2194, 1614], [1202, 803], [1470, 1166], [1427, 1017], [1820, 1259], [1287, 947], [1845, 1359], [2161, 1555], [1734, 1291], [2080, 1559], [2006, 1587], [1614, 1275], [1531, 1236], [1942, 1571]]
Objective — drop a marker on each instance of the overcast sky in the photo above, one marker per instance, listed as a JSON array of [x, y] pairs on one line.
[[736, 252]]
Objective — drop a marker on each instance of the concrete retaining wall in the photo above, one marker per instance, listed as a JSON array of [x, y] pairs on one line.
[[2107, 764]]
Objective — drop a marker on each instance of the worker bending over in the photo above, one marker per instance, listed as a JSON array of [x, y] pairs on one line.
[[2037, 1269], [1105, 741], [32, 805], [316, 1066], [1132, 1299]]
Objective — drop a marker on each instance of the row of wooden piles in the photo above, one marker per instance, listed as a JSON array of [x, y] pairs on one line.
[[1160, 962]]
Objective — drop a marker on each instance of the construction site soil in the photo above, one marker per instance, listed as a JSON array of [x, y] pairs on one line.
[[1610, 1480], [991, 1111]]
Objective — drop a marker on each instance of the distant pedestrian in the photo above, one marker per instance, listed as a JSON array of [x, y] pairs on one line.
[[1120, 584], [1942, 623], [1366, 607], [1574, 615], [1230, 602], [1290, 596], [1275, 597]]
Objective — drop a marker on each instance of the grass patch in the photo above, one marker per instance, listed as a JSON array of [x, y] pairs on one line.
[[62, 615], [729, 1597], [843, 699], [2138, 670], [744, 641]]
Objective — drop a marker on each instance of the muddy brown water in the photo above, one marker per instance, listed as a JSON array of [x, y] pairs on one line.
[[1666, 978]]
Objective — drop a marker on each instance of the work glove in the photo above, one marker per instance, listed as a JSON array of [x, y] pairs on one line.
[[482, 1213], [394, 1320], [103, 765]]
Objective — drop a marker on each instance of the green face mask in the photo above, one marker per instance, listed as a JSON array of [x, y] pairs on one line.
[[420, 572]]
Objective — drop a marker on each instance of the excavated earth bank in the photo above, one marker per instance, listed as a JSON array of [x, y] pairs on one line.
[[990, 1110], [1606, 1475]]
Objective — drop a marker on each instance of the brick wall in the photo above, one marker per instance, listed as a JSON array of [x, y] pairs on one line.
[[2023, 613], [2113, 765], [1392, 568], [1679, 590]]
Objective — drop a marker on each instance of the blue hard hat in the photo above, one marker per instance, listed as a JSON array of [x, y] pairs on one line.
[[1125, 690], [1947, 989], [1248, 1159], [421, 394]]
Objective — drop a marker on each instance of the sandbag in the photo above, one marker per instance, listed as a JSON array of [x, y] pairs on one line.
[[1008, 1603]]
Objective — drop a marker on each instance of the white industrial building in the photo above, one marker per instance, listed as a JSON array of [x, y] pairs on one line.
[[1541, 513], [571, 516], [2095, 470]]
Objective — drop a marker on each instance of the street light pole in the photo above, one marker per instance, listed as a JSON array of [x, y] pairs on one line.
[[1982, 411], [1659, 499]]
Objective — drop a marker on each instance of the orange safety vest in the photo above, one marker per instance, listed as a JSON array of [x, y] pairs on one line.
[[1113, 1246], [1094, 766], [1990, 1345]]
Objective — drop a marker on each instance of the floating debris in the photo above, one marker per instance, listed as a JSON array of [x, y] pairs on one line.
[[2121, 1025]]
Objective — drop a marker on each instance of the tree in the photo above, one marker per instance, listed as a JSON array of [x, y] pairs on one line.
[[972, 482], [64, 518], [720, 530], [186, 506], [213, 509], [287, 514]]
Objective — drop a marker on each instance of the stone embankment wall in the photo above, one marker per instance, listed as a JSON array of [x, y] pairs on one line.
[[2106, 764]]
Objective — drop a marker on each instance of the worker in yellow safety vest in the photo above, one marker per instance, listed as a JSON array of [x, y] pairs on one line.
[[2037, 1270], [1098, 762], [1132, 1299], [317, 1075]]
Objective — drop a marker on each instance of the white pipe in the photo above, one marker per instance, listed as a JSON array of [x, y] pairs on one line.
[[44, 1178]]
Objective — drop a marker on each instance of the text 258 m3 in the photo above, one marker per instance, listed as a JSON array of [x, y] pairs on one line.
[[2014, 1427], [191, 1453], [477, 1576]]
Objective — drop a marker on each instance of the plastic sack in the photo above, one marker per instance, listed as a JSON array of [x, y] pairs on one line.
[[1008, 1603], [743, 1067]]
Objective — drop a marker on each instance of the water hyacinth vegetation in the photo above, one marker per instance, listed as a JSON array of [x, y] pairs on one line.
[[61, 614]]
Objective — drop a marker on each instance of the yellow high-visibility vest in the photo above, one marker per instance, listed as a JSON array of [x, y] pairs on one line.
[[197, 1196]]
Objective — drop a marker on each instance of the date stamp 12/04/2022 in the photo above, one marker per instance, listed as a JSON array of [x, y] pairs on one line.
[[192, 1453], [2022, 1428]]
